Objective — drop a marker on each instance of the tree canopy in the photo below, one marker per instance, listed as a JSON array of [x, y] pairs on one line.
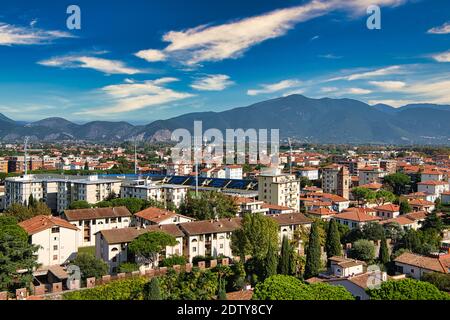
[[148, 245], [90, 266], [362, 250], [208, 205], [313, 253], [397, 182], [282, 287], [407, 289]]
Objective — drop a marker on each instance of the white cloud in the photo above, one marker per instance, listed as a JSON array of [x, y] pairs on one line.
[[329, 56], [128, 97], [33, 22], [328, 89], [212, 82], [315, 38], [16, 35], [100, 64], [388, 85], [370, 74], [396, 103], [297, 91], [358, 91], [151, 55], [274, 87], [444, 29], [230, 40], [442, 57]]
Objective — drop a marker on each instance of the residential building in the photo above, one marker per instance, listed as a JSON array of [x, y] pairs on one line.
[[3, 165], [17, 164], [275, 209], [433, 188], [336, 180], [310, 173], [289, 224], [112, 245], [57, 239], [422, 205], [356, 217], [279, 189], [387, 211], [431, 175], [90, 221], [209, 237], [415, 265], [91, 189], [407, 221], [322, 213], [250, 205], [233, 172], [157, 216], [345, 267], [370, 175]]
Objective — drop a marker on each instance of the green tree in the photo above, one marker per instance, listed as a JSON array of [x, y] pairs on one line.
[[333, 245], [127, 267], [22, 213], [152, 290], [405, 207], [373, 231], [79, 204], [208, 205], [148, 246], [271, 261], [384, 196], [407, 289], [16, 253], [433, 222], [172, 261], [313, 253], [397, 183], [257, 234], [90, 266], [363, 194], [383, 256], [362, 250], [282, 287], [31, 201], [440, 280], [394, 231], [285, 266]]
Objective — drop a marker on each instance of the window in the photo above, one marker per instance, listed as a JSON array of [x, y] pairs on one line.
[[55, 257], [55, 247], [55, 230], [221, 246]]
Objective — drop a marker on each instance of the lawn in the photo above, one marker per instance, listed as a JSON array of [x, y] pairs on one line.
[[89, 250]]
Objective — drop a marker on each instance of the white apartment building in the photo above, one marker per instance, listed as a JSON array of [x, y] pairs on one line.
[[90, 221], [112, 245], [310, 173], [233, 172], [433, 188], [249, 205], [279, 189], [57, 239], [91, 189], [209, 237], [147, 189], [19, 189]]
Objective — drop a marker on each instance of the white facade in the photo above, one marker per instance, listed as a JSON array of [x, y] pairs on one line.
[[279, 189]]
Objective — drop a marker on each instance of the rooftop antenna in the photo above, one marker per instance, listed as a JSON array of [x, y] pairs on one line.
[[26, 155]]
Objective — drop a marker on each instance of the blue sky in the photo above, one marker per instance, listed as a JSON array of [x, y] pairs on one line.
[[140, 61]]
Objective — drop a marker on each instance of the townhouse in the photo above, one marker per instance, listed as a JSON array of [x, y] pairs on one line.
[[57, 239], [411, 220], [422, 205], [90, 221], [250, 205]]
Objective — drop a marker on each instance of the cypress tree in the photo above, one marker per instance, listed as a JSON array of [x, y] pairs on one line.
[[384, 252], [333, 245], [271, 262], [153, 291], [312, 266], [285, 263], [222, 294]]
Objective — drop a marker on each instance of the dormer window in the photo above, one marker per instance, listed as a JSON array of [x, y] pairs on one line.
[[55, 230]]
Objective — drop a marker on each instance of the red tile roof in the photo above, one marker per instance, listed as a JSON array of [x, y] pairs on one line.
[[388, 207], [41, 223]]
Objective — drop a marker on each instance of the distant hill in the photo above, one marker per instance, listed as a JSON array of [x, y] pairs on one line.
[[309, 120]]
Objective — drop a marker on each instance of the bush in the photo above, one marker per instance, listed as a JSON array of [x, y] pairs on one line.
[[172, 261], [407, 289], [127, 267], [362, 250], [129, 289], [440, 280], [282, 287]]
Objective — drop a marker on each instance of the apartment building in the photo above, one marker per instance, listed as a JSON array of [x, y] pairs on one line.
[[209, 237], [3, 165], [371, 175], [112, 245], [433, 188], [250, 205], [57, 239], [90, 221], [17, 164], [146, 189], [310, 173], [279, 189], [19, 189], [91, 189], [336, 180]]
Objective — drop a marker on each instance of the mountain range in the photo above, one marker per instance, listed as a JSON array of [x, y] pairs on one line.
[[305, 119]]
